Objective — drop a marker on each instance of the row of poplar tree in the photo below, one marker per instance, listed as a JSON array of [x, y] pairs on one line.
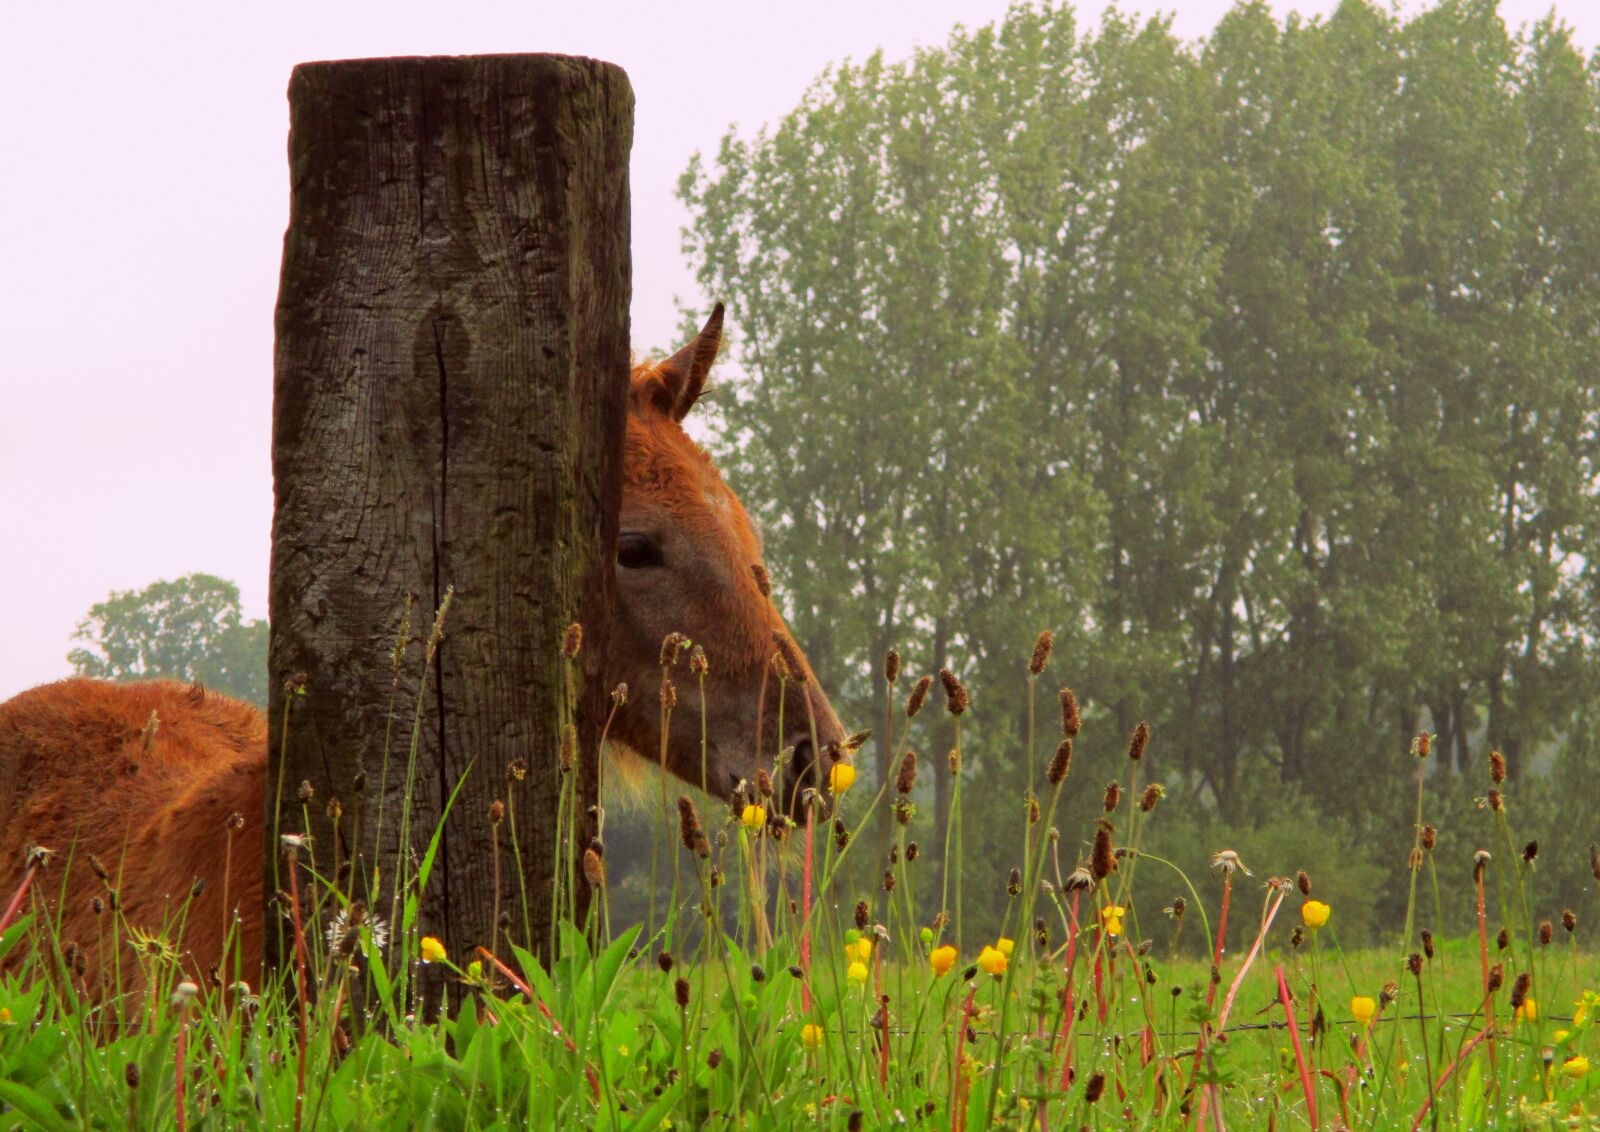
[[1263, 370]]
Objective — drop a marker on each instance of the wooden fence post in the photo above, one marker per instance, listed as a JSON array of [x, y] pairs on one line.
[[450, 394]]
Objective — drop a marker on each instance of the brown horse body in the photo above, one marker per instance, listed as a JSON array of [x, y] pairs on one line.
[[143, 781]]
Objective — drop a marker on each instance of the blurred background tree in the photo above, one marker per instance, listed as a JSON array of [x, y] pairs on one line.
[[186, 629], [1261, 369]]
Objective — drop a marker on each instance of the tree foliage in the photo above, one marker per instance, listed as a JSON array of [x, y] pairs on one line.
[[1260, 369], [187, 629]]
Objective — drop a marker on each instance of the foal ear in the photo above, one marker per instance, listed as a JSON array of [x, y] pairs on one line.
[[684, 374]]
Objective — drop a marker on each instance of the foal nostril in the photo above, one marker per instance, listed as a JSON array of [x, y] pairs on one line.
[[800, 775]]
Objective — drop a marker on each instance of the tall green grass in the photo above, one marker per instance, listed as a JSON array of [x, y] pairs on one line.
[[816, 1006]]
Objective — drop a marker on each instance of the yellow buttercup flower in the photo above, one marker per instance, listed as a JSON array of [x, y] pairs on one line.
[[942, 959], [753, 817], [993, 960], [1004, 946], [1111, 918], [1528, 1011], [841, 777], [1576, 1066], [811, 1035], [857, 973], [432, 950], [1315, 913], [1562, 1035], [860, 950], [1363, 1009]]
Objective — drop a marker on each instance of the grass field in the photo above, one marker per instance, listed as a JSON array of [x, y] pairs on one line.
[[840, 1016]]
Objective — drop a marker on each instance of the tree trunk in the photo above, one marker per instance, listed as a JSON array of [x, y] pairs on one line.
[[450, 397]]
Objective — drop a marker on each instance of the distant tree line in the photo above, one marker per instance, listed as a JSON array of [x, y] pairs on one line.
[[1263, 370], [190, 629]]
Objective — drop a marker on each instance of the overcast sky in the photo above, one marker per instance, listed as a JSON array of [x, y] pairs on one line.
[[144, 197]]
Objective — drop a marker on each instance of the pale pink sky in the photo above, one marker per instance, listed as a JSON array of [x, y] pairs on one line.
[[144, 198]]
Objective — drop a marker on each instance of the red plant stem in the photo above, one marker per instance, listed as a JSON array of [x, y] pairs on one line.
[[1299, 1052], [333, 1028], [1212, 1098], [1344, 1095], [882, 1020], [1483, 962], [1467, 1048], [883, 1047], [1222, 935], [958, 1109], [1068, 1013], [16, 900], [555, 1027], [180, 1072], [805, 912], [1255, 949], [1211, 984], [1100, 1003], [300, 984], [516, 981]]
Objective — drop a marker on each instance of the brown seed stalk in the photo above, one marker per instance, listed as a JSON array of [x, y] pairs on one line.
[[906, 780], [1137, 742], [918, 696], [688, 822], [1519, 990], [1103, 860], [594, 869], [1071, 721], [956, 698], [791, 656], [1060, 763], [1041, 652]]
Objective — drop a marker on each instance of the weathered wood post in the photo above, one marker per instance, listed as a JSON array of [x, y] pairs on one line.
[[450, 390]]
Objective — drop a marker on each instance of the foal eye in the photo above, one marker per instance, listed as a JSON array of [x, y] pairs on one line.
[[637, 552]]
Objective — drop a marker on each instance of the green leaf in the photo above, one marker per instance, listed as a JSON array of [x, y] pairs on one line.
[[33, 1106]]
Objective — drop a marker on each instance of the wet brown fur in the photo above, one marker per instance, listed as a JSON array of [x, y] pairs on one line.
[[81, 773]]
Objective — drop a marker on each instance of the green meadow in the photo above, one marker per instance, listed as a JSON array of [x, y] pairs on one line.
[[759, 994]]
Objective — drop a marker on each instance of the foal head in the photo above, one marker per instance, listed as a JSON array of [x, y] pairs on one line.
[[689, 562]]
